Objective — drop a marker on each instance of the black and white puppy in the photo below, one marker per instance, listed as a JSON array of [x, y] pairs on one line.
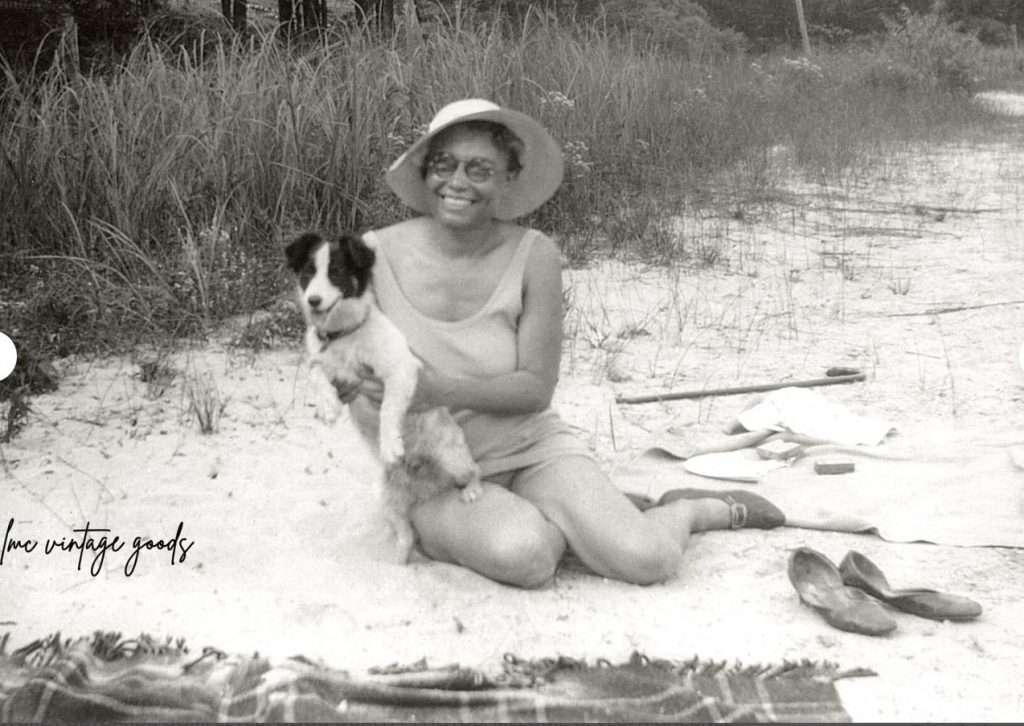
[[423, 452]]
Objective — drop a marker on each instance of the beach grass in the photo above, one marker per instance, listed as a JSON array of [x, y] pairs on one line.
[[151, 199]]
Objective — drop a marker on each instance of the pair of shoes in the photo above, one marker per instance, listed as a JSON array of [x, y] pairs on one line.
[[818, 582], [846, 596], [858, 571], [746, 509]]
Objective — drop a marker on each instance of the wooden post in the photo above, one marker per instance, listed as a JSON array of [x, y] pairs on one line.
[[1016, 41], [805, 39]]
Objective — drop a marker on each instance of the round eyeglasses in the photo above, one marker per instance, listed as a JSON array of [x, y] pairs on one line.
[[443, 165]]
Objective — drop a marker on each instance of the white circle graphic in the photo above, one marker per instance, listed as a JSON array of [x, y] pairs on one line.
[[8, 356]]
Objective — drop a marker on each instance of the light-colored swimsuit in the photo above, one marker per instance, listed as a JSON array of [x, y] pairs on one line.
[[482, 345]]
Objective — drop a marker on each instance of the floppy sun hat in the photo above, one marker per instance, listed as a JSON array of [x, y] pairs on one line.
[[535, 183]]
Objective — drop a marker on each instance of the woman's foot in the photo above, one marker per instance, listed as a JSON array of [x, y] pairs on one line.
[[732, 509]]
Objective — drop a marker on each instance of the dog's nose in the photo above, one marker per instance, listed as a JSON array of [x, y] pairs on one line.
[[314, 301]]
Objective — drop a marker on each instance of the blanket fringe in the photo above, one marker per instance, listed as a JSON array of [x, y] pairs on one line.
[[527, 672], [105, 645], [516, 672]]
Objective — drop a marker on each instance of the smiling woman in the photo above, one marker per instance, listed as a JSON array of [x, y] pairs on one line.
[[466, 175], [479, 299], [532, 156]]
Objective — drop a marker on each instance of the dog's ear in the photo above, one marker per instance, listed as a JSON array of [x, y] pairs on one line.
[[298, 249], [358, 252]]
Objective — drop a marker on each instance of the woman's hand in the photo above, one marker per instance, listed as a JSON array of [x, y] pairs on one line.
[[347, 390], [428, 385], [372, 388], [364, 382]]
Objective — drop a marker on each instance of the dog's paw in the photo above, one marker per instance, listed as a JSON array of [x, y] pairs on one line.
[[465, 473], [391, 450], [328, 409], [471, 492], [405, 540]]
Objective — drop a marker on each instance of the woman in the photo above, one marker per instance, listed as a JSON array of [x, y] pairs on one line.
[[480, 300]]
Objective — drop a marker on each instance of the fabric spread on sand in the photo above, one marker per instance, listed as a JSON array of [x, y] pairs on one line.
[[810, 413], [958, 488], [107, 679]]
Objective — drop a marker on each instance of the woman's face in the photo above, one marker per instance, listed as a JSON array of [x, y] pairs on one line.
[[467, 174]]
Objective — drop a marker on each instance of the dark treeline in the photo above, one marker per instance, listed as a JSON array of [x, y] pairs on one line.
[[775, 20], [765, 23], [681, 24]]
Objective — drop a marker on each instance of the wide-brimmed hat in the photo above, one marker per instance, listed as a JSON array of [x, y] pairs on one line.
[[535, 183]]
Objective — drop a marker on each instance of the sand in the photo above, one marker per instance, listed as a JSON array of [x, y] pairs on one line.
[[266, 535]]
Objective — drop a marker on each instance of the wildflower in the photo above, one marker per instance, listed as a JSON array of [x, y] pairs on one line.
[[576, 153], [804, 66], [557, 100]]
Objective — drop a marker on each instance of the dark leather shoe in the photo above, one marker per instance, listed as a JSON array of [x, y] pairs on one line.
[[819, 584], [748, 510], [858, 571]]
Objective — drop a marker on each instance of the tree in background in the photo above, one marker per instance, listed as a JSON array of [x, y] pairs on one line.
[[690, 25], [301, 14], [681, 26], [991, 20], [235, 12], [377, 14], [110, 19], [770, 22]]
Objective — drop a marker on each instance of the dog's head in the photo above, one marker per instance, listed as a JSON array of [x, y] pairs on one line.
[[334, 277]]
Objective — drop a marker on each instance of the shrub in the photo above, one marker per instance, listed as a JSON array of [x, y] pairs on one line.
[[926, 50], [681, 26], [988, 30]]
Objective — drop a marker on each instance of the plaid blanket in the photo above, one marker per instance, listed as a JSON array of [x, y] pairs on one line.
[[106, 678]]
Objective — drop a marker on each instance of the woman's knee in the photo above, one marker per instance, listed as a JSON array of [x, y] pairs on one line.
[[499, 536], [645, 558], [525, 558]]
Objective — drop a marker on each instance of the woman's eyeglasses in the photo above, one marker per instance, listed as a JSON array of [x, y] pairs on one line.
[[444, 165]]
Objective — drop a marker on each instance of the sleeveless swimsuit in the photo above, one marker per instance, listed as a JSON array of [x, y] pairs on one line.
[[482, 345]]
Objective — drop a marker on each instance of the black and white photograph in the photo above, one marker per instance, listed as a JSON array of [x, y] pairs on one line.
[[511, 361]]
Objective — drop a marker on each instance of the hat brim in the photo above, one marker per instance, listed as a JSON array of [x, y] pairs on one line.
[[535, 183]]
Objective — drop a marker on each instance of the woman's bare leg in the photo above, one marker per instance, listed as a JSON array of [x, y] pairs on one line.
[[605, 530], [501, 536]]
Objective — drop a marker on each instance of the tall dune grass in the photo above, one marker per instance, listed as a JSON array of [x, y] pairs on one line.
[[155, 198]]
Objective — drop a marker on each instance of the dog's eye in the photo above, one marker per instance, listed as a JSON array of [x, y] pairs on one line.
[[306, 273], [347, 282]]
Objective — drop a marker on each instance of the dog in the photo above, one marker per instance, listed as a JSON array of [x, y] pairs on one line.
[[423, 452]]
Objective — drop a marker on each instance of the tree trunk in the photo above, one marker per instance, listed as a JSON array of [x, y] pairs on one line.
[[411, 25], [235, 12], [377, 14], [301, 14], [314, 13], [69, 41], [804, 38]]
